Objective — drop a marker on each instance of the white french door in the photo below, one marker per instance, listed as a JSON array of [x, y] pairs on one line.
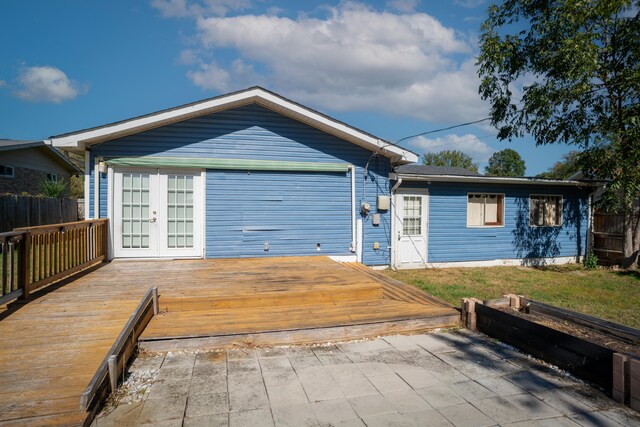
[[157, 213], [411, 210]]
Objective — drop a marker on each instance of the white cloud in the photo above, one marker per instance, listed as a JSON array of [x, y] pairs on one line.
[[2, 83], [405, 6], [354, 59], [181, 8], [46, 84], [212, 76], [469, 144]]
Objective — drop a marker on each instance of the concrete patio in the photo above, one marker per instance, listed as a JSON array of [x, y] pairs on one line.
[[456, 378]]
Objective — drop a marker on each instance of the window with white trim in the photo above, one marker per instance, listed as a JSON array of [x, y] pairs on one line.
[[485, 210], [545, 210], [412, 216], [7, 171], [52, 177]]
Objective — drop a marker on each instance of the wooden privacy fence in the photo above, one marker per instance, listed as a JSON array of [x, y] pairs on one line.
[[30, 211], [608, 232], [33, 257]]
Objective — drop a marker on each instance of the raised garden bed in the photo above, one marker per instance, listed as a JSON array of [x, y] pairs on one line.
[[604, 353]]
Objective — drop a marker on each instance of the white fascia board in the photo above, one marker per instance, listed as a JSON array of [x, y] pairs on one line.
[[326, 124], [79, 140], [491, 180]]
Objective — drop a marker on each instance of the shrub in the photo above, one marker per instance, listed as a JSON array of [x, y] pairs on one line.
[[53, 188], [591, 261]]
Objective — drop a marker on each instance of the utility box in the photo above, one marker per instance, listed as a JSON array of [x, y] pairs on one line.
[[383, 203], [375, 219]]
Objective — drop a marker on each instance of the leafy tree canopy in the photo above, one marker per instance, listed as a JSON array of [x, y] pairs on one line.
[[563, 169], [450, 158], [505, 162], [569, 71]]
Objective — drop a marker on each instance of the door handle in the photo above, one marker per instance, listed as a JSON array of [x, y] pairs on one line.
[[152, 220], [399, 235]]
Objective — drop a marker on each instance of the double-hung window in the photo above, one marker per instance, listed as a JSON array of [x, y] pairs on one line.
[[485, 210], [545, 210]]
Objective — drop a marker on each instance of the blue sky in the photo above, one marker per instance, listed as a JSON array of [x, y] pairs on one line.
[[393, 68]]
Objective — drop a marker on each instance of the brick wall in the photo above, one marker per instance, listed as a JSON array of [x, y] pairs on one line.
[[27, 181]]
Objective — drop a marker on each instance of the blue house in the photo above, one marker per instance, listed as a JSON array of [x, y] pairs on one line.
[[453, 217], [253, 174]]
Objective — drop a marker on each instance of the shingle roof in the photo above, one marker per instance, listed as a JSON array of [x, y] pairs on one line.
[[435, 170], [15, 144]]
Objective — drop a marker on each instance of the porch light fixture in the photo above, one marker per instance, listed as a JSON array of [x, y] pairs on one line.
[[102, 167]]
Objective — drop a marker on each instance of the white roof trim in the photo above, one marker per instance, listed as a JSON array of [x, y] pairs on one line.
[[81, 139], [494, 180]]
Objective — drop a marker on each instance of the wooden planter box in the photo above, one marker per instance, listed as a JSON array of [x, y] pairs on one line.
[[616, 373]]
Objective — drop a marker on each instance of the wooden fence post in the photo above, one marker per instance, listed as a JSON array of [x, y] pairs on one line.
[[25, 264]]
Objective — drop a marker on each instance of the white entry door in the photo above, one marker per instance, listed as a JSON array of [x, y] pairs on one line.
[[157, 213], [411, 229]]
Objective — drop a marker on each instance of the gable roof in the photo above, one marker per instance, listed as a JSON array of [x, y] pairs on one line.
[[254, 95], [15, 144]]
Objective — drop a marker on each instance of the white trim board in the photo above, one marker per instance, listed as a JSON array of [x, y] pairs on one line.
[[343, 258], [256, 95], [517, 262]]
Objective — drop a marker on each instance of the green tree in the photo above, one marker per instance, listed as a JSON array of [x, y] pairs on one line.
[[563, 169], [578, 67], [451, 158], [505, 162]]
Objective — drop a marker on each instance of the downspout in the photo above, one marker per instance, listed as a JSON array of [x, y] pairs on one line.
[[393, 222], [352, 171]]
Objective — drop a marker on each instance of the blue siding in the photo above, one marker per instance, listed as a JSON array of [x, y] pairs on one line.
[[254, 132], [292, 212], [450, 239]]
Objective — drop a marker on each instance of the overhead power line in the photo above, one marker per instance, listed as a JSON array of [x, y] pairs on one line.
[[443, 129]]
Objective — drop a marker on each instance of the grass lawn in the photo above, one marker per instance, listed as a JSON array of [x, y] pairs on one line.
[[604, 293]]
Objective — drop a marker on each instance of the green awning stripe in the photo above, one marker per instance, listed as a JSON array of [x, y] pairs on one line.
[[230, 164]]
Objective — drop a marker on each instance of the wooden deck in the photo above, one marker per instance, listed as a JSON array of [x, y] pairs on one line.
[[51, 347]]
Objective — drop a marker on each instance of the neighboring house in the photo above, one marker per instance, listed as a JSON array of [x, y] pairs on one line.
[[454, 217], [25, 165], [252, 174]]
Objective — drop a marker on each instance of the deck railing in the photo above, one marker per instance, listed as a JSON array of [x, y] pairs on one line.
[[32, 257]]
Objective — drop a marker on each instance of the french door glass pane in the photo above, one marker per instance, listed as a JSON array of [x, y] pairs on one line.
[[135, 210], [180, 211]]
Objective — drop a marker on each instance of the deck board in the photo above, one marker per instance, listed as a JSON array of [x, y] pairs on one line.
[[51, 346]]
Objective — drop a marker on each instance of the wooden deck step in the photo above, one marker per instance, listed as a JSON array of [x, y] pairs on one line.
[[262, 319], [394, 289], [269, 296]]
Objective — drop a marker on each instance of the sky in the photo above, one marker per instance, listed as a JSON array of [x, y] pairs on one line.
[[393, 68]]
